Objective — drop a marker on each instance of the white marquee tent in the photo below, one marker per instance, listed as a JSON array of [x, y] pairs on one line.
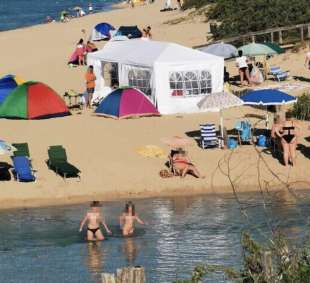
[[173, 76]]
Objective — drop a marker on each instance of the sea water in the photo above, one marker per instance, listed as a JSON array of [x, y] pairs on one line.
[[43, 244], [21, 13]]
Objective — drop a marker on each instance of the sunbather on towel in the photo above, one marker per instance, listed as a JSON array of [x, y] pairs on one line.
[[93, 218], [182, 164], [128, 218]]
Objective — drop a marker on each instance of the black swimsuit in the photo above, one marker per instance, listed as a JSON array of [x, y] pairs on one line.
[[93, 230], [288, 137]]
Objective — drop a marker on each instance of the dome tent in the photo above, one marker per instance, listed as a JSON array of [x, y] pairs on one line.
[[126, 103], [101, 31], [129, 31], [33, 100], [7, 84]]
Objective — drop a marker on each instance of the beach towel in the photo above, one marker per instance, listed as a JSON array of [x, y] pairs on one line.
[[152, 151]]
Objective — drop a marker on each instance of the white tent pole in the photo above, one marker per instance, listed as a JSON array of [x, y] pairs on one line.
[[222, 123]]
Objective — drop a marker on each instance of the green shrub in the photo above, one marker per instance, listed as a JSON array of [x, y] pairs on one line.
[[301, 109]]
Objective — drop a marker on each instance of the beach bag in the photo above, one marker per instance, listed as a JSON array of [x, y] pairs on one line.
[[232, 143], [261, 141]]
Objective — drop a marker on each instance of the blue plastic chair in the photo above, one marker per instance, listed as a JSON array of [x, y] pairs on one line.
[[278, 73], [244, 129], [22, 169]]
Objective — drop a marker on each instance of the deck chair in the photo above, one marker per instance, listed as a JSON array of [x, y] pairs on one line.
[[208, 137], [278, 74], [22, 149], [58, 162], [244, 129], [22, 170]]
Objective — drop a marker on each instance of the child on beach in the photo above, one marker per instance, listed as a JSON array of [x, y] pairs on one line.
[[90, 85], [128, 218], [94, 218]]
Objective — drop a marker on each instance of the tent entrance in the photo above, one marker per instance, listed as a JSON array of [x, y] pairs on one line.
[[110, 74]]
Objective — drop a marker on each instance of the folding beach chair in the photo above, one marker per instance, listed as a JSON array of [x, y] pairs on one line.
[[58, 162], [23, 171], [244, 129], [22, 149], [278, 74], [208, 137]]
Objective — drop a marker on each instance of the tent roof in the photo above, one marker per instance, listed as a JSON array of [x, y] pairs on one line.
[[147, 52]]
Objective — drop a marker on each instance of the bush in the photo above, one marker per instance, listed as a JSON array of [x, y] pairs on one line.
[[301, 109], [243, 16]]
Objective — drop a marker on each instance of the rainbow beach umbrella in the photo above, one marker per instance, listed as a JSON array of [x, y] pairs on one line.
[[126, 103], [33, 100], [7, 84]]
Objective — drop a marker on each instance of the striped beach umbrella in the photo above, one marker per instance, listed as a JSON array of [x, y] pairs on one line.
[[33, 100]]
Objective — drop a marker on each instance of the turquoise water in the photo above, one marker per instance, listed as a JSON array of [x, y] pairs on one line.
[[21, 13], [43, 245]]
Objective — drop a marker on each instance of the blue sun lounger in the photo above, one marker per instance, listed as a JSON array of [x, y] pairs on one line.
[[23, 171], [278, 74]]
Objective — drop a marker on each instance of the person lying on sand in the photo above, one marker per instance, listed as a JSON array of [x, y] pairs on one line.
[[93, 218], [128, 218], [182, 165]]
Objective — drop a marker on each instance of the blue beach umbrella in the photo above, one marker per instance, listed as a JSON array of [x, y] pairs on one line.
[[267, 97]]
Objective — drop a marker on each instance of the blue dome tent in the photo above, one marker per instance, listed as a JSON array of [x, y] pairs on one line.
[[101, 31]]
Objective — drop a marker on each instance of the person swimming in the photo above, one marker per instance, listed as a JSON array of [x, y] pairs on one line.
[[128, 218], [93, 218]]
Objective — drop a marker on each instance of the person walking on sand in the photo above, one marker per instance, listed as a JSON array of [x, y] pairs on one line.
[[307, 59], [94, 218], [242, 65], [128, 218], [90, 85]]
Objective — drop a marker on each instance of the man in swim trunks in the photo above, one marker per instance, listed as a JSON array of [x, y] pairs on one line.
[[93, 218], [128, 218]]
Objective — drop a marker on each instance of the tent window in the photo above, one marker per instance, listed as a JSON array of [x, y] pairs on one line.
[[140, 79], [190, 83], [205, 82]]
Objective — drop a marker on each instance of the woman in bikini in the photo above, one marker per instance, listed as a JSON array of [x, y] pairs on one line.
[[289, 132], [93, 218], [182, 164], [128, 218]]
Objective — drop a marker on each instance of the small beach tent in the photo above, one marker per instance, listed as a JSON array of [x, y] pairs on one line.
[[101, 31], [7, 84], [129, 31], [126, 103], [174, 77], [33, 100]]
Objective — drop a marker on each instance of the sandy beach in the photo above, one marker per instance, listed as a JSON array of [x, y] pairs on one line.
[[105, 150]]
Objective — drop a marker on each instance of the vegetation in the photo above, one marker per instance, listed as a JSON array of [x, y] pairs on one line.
[[242, 16], [284, 266], [301, 109]]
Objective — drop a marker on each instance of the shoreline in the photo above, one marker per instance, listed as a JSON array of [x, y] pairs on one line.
[[110, 196]]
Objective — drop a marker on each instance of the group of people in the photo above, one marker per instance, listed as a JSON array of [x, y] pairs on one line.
[[82, 49], [94, 219], [248, 72], [286, 131]]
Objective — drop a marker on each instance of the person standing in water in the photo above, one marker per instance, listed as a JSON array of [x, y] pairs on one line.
[[93, 218], [128, 218]]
